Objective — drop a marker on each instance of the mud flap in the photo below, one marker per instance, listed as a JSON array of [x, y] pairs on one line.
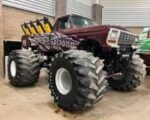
[[8, 47]]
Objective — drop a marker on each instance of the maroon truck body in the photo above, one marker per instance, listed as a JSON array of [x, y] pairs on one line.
[[97, 32]]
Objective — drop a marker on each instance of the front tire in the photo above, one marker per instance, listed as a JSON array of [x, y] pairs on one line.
[[23, 68], [134, 74], [77, 80]]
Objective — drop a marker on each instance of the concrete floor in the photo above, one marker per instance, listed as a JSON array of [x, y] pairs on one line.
[[35, 103]]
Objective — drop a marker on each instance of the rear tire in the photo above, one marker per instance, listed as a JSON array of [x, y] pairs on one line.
[[87, 83], [23, 68], [135, 72]]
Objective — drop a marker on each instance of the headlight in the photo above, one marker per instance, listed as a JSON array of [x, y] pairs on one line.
[[114, 34], [113, 37]]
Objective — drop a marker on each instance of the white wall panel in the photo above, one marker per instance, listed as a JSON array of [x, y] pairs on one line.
[[126, 12], [46, 7], [86, 2], [82, 7]]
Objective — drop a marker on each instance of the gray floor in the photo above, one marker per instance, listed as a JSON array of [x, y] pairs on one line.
[[35, 103]]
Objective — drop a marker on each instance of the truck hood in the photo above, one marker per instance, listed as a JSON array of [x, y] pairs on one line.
[[92, 29]]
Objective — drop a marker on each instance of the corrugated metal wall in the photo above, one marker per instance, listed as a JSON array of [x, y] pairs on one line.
[[46, 7], [86, 2], [82, 7], [126, 12]]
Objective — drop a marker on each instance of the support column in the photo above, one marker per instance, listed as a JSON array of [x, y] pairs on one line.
[[1, 28], [97, 11], [1, 39], [60, 7]]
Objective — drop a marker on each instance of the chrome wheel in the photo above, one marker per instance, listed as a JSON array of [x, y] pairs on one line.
[[63, 81], [13, 68]]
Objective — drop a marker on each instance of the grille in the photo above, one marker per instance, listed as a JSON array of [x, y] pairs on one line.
[[126, 39]]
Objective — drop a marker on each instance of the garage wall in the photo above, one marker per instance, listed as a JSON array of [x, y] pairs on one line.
[[126, 12], [10, 21], [86, 2], [46, 7], [11, 25], [82, 7], [1, 40], [137, 30], [0, 20]]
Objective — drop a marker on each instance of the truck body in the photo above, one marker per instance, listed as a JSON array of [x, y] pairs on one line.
[[82, 28], [144, 47], [87, 32], [81, 56]]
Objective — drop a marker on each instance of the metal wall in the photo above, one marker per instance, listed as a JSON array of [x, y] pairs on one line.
[[46, 7], [79, 7], [126, 12]]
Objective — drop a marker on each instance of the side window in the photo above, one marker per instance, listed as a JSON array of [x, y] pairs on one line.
[[64, 23]]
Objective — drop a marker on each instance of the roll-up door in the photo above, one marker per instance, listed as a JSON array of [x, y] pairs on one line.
[[126, 12], [80, 7], [46, 7]]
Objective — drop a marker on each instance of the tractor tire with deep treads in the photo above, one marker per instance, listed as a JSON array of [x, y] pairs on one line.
[[135, 72], [82, 76], [23, 68]]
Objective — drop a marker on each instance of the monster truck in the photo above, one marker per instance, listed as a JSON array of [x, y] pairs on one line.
[[144, 47], [113, 44], [80, 55]]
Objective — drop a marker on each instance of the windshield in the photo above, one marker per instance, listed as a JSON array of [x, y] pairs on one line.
[[79, 21]]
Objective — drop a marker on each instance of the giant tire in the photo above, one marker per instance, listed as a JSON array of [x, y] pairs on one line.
[[87, 78], [135, 72], [23, 68]]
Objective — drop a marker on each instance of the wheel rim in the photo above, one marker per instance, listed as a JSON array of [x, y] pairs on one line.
[[63, 81], [13, 69]]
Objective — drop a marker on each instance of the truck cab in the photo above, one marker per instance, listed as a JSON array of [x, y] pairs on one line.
[[80, 27], [91, 34]]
